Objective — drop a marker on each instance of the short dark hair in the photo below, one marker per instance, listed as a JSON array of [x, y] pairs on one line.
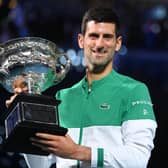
[[100, 14]]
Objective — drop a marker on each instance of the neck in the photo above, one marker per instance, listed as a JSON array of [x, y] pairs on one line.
[[91, 76]]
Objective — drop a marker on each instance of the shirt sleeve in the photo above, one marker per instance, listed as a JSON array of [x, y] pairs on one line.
[[137, 131], [138, 104], [137, 145]]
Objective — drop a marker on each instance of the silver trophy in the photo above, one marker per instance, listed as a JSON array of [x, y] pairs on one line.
[[40, 64]]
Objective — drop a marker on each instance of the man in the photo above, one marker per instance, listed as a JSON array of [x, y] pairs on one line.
[[109, 116]]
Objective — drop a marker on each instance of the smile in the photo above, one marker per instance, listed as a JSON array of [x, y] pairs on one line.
[[99, 51]]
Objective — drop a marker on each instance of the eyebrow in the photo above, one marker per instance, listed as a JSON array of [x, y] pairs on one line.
[[104, 35]]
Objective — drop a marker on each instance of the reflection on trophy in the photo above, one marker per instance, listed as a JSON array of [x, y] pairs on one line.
[[40, 64]]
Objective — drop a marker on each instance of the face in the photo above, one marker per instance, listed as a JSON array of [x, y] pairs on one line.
[[99, 44], [20, 86]]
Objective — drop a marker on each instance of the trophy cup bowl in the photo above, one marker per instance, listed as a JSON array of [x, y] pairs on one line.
[[40, 64]]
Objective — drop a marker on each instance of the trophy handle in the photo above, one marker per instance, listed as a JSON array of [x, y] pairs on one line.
[[62, 66]]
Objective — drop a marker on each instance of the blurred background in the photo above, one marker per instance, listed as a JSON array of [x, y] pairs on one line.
[[143, 56]]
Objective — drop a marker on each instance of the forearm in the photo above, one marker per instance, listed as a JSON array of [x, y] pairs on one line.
[[82, 153], [116, 156]]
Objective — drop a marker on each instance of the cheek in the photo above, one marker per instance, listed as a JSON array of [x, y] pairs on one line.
[[24, 90], [87, 51], [110, 43], [88, 42], [112, 46]]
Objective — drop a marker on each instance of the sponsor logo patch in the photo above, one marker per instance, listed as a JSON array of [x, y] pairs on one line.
[[104, 106], [141, 102]]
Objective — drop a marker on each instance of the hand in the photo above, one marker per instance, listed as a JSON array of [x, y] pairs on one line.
[[17, 90], [8, 102], [62, 146]]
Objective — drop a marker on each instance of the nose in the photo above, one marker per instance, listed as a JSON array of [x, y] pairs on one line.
[[17, 90], [100, 42]]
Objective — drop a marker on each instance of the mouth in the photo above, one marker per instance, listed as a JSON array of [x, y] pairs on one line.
[[99, 52]]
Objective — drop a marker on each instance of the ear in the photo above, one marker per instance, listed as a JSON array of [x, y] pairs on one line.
[[80, 40], [118, 43]]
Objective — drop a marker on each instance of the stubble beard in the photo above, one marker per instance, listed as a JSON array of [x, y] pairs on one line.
[[97, 68]]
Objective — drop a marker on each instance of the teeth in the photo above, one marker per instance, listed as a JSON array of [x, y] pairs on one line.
[[100, 52]]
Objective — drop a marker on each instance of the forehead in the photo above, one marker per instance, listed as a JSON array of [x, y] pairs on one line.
[[100, 27], [19, 81]]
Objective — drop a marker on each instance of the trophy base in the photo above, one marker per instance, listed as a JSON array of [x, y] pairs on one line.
[[27, 115], [19, 139]]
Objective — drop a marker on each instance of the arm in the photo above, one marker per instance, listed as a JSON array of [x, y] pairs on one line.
[[62, 146], [8, 102], [133, 147], [135, 150]]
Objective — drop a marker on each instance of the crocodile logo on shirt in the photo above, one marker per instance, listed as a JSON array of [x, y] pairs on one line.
[[104, 106]]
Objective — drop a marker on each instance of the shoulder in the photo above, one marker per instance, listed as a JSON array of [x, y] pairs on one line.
[[136, 102], [128, 83], [68, 91]]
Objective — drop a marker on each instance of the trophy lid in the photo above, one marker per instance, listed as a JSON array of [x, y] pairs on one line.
[[40, 61]]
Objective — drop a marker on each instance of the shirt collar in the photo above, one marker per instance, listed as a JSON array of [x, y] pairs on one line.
[[99, 82]]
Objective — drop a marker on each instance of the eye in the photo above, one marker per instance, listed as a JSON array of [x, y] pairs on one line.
[[108, 36], [93, 35]]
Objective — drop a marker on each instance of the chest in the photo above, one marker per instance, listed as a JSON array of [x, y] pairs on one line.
[[94, 108]]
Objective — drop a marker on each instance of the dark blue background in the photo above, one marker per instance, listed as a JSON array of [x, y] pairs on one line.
[[144, 55]]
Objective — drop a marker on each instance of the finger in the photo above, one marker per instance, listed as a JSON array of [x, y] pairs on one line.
[[40, 146], [47, 136], [49, 149], [43, 142]]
